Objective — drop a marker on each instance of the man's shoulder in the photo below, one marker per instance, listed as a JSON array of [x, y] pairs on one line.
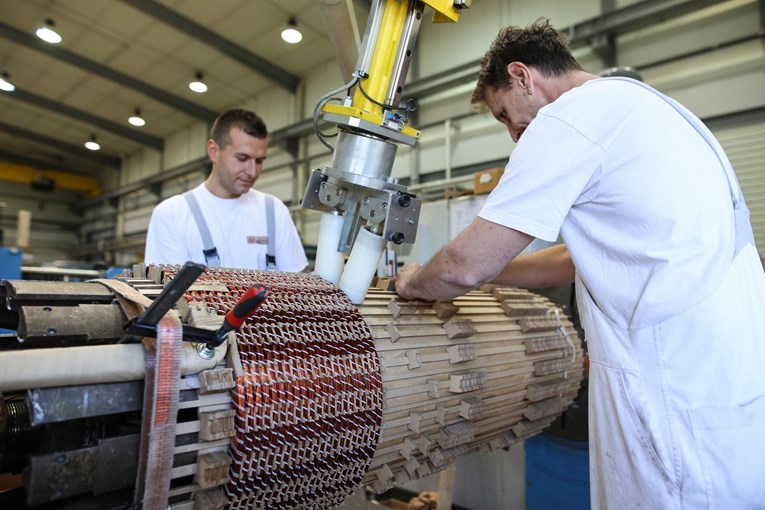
[[171, 203], [174, 205]]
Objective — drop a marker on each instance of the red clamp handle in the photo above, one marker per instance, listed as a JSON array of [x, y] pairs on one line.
[[246, 306]]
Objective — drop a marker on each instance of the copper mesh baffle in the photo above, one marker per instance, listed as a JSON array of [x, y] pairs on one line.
[[309, 399]]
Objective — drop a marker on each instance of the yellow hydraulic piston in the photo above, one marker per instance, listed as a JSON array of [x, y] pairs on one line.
[[389, 40]]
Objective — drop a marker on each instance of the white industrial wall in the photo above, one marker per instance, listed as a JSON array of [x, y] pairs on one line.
[[711, 83], [743, 138], [54, 231]]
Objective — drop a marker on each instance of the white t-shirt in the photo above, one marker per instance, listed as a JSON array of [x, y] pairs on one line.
[[238, 228], [640, 199]]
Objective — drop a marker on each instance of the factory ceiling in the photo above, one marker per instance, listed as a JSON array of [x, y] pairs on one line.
[[117, 56]]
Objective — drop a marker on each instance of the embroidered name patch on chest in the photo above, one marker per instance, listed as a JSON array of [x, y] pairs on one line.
[[257, 239]]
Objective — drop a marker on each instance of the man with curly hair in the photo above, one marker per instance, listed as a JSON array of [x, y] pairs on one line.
[[669, 283]]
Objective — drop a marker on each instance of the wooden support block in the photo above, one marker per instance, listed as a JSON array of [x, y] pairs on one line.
[[386, 283], [441, 415], [526, 428], [456, 434], [459, 328], [544, 344], [380, 487], [423, 470], [515, 309], [549, 407], [139, 271], [461, 353], [552, 366], [397, 308], [407, 450], [433, 391], [537, 324], [521, 428], [423, 443], [413, 356], [414, 421], [463, 383], [393, 332], [384, 474], [411, 466], [471, 408], [232, 356], [212, 469], [402, 477], [442, 457], [542, 390], [216, 425], [210, 500], [503, 441], [503, 293], [216, 380], [445, 310]]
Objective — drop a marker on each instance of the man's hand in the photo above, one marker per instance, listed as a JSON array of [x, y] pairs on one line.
[[403, 277]]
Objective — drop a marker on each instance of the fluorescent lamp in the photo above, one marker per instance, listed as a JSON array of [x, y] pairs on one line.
[[47, 34], [136, 119], [5, 83], [92, 144], [198, 85], [291, 34]]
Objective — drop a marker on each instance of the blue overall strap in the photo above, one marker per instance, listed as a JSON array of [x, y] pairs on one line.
[[210, 251], [744, 233], [271, 253]]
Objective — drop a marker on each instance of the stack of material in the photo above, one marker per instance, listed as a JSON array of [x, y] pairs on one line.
[[482, 372], [311, 398]]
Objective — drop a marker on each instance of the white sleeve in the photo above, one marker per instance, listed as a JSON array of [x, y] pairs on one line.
[[549, 171], [164, 242], [290, 254]]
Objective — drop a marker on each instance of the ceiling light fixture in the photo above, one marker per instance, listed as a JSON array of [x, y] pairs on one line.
[[47, 34], [5, 83], [136, 119], [198, 85], [92, 144], [291, 34]]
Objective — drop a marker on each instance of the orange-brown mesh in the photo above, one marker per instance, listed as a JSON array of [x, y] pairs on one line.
[[309, 404]]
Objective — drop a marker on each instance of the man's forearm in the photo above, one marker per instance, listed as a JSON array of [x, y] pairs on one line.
[[439, 279], [475, 256], [549, 267]]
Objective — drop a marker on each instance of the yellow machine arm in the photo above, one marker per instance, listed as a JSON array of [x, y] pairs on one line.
[[381, 71], [368, 207]]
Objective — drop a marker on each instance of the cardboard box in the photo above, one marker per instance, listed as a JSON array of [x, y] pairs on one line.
[[486, 180]]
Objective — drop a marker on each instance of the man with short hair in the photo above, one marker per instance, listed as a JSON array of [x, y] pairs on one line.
[[223, 221], [670, 287]]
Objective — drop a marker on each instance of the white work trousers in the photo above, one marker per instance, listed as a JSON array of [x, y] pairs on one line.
[[677, 410]]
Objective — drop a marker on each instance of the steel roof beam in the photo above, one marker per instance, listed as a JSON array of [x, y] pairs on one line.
[[274, 73], [102, 159], [118, 129], [621, 21], [188, 107], [19, 159], [632, 17]]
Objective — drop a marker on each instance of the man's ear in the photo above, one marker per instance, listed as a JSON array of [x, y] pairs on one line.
[[519, 73], [212, 150]]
